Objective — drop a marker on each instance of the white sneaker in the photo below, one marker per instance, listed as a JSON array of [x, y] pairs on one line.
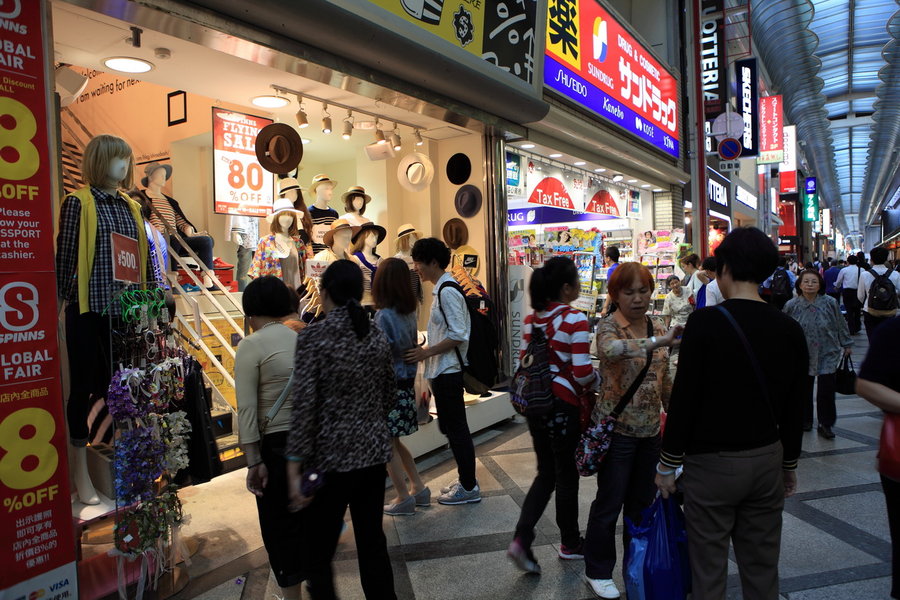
[[603, 588]]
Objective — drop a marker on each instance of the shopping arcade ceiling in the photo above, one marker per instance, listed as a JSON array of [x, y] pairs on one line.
[[837, 63]]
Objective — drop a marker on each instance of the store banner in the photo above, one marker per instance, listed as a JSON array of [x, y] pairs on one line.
[[771, 130], [500, 32], [605, 200], [718, 191], [787, 212], [748, 104], [745, 197], [592, 60], [549, 185], [240, 185], [513, 169], [787, 168], [810, 201], [713, 62]]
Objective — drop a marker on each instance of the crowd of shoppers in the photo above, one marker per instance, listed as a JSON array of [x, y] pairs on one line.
[[739, 452]]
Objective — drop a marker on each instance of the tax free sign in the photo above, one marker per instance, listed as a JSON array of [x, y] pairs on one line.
[[592, 60]]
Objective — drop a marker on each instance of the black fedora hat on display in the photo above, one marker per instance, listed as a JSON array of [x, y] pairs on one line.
[[362, 229], [459, 168], [279, 148], [467, 201]]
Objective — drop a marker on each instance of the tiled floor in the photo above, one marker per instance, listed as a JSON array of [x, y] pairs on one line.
[[835, 541]]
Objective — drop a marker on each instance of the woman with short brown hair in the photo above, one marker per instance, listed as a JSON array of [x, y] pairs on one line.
[[625, 341]]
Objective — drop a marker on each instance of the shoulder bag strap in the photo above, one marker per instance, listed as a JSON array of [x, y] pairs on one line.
[[632, 390], [277, 406], [450, 284], [756, 368]]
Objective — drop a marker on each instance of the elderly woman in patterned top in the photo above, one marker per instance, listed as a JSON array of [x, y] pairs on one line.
[[625, 478], [827, 338]]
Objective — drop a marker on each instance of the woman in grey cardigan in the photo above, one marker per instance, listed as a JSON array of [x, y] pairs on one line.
[[827, 338]]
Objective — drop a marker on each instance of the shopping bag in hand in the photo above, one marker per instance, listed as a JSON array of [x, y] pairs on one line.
[[845, 377], [634, 559], [666, 574]]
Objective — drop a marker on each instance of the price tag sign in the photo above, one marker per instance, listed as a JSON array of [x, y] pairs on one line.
[[240, 185], [125, 258]]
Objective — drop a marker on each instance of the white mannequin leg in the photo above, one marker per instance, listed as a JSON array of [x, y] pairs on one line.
[[82, 478], [207, 281]]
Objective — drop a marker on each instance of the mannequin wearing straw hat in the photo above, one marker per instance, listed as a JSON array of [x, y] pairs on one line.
[[322, 215], [283, 253], [355, 202], [337, 242], [407, 235]]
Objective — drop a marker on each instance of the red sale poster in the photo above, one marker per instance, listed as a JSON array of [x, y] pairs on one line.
[[240, 185], [36, 539]]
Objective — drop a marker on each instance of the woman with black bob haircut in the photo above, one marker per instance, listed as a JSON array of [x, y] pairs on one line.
[[262, 371], [553, 287], [738, 443], [339, 442]]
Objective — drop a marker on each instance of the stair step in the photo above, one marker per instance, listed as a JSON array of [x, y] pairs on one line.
[[227, 442]]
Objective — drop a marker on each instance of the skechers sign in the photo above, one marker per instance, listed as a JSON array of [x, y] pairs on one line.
[[593, 61], [748, 105]]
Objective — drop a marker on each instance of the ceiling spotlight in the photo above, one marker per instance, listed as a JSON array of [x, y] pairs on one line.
[[579, 163], [556, 155], [302, 120], [632, 181], [348, 126], [599, 170], [527, 146], [379, 134], [395, 139], [657, 190], [687, 220], [270, 101], [418, 138], [646, 185], [618, 177], [305, 140], [127, 64], [326, 120]]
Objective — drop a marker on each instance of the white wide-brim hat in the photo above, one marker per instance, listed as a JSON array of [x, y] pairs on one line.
[[284, 205], [415, 172]]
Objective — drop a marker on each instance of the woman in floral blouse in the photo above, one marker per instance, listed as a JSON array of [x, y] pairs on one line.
[[827, 338], [679, 302], [625, 478]]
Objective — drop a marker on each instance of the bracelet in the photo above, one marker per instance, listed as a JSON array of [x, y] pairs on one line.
[[664, 473]]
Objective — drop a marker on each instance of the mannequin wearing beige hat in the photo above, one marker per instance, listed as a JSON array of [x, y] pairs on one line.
[[290, 188], [322, 215], [283, 253], [407, 235], [355, 202], [337, 242], [155, 177]]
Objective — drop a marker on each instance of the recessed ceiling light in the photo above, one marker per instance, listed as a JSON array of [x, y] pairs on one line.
[[269, 101], [579, 163], [632, 181], [618, 177], [600, 170], [555, 155], [646, 185], [657, 189], [527, 146], [127, 64]]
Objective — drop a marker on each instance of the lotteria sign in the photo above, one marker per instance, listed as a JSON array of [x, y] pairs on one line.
[[593, 61], [748, 104], [712, 59]]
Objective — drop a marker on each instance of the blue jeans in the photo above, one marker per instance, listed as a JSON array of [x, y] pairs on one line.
[[202, 245], [625, 480], [244, 259]]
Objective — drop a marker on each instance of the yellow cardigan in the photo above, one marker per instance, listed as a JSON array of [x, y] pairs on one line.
[[87, 234]]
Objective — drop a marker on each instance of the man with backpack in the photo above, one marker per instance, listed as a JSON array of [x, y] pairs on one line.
[[449, 327], [877, 291], [781, 283]]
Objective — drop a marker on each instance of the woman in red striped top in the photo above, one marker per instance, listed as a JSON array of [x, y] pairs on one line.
[[556, 435]]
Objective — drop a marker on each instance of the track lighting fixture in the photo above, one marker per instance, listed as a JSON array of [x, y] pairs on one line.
[[302, 121], [395, 139], [379, 134], [326, 120], [418, 138], [348, 125]]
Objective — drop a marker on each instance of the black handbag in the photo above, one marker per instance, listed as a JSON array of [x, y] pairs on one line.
[[845, 377]]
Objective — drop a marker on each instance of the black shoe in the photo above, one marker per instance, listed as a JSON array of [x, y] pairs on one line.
[[826, 432], [807, 427]]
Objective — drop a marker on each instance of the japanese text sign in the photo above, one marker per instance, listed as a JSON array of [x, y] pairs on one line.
[[240, 185], [592, 60], [810, 201], [713, 64], [37, 548], [771, 130]]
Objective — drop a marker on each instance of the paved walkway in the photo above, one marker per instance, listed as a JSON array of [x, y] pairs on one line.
[[835, 543]]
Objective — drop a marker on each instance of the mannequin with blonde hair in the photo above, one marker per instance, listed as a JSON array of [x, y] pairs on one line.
[[86, 286]]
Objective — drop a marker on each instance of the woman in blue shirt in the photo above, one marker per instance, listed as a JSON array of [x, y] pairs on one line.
[[393, 295]]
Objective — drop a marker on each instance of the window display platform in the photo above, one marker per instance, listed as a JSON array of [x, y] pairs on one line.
[[481, 413]]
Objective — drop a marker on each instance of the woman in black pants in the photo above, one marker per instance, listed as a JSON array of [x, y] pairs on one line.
[[556, 435], [339, 441]]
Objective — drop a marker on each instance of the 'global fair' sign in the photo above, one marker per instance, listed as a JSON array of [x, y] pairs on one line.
[[592, 60]]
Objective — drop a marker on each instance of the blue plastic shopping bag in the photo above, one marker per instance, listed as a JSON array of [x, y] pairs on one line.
[[634, 560], [666, 571]]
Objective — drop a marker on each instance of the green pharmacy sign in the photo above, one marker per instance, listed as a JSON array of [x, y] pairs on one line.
[[810, 201]]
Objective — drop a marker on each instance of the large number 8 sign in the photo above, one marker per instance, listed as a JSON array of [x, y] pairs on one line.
[[18, 138], [27, 433]]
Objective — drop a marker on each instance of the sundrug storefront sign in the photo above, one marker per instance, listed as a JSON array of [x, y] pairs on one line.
[[592, 60]]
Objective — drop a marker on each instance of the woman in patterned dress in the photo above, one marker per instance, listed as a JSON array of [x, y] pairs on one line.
[[393, 295], [828, 339]]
